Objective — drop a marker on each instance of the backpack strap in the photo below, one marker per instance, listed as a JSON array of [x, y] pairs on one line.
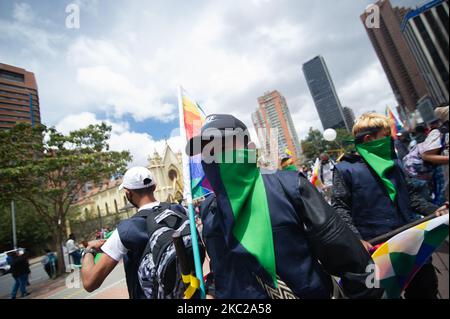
[[162, 222]]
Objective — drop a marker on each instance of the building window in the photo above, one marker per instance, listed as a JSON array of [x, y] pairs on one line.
[[173, 174], [107, 209], [12, 76], [125, 201], [115, 206]]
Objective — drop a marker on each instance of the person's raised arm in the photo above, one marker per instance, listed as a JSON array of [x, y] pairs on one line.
[[93, 274]]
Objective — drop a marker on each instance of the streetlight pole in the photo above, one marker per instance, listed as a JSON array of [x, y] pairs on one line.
[[13, 219]]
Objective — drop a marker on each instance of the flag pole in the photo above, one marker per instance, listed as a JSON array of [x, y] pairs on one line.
[[385, 237], [188, 197]]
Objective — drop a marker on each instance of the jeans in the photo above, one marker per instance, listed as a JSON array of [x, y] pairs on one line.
[[21, 282], [76, 257]]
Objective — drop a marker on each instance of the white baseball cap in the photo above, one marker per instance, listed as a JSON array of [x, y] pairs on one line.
[[137, 178]]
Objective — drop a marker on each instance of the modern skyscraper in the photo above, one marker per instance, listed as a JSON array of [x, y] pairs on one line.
[[273, 112], [426, 32], [395, 56], [324, 94], [349, 117], [19, 99]]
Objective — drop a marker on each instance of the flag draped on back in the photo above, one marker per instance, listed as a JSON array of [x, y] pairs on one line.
[[249, 208], [194, 118], [401, 257]]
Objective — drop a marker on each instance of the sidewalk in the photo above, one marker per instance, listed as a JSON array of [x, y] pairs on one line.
[[35, 260], [44, 289]]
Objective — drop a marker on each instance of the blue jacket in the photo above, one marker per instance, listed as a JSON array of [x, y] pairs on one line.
[[305, 230], [372, 211]]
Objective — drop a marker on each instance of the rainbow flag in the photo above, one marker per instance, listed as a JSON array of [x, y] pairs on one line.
[[396, 125], [193, 118], [400, 258]]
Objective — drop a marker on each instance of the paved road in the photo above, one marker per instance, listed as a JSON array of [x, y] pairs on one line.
[[38, 275], [114, 287]]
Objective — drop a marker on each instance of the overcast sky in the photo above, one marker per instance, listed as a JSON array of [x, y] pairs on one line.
[[124, 63]]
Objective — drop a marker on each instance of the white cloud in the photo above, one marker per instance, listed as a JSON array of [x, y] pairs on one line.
[[29, 31], [22, 12], [225, 54], [140, 145], [89, 52], [367, 91]]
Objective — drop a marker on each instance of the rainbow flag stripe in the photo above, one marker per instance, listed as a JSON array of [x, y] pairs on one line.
[[396, 125], [194, 118]]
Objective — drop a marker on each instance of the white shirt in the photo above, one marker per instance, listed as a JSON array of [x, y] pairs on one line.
[[114, 247], [71, 247], [327, 174]]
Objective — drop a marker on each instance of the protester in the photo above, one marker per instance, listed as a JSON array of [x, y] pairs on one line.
[[326, 175], [373, 195], [439, 157], [49, 261], [287, 164], [427, 161], [262, 225], [130, 238], [73, 250], [401, 144], [20, 270]]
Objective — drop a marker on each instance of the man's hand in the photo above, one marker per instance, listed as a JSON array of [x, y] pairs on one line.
[[96, 244], [442, 210], [367, 245]]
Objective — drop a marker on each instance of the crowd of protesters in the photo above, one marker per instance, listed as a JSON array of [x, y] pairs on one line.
[[368, 192]]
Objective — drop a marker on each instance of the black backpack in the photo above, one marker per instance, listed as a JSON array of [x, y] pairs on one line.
[[159, 272]]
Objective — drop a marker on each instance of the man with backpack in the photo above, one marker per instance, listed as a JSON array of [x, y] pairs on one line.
[[272, 229], [144, 242]]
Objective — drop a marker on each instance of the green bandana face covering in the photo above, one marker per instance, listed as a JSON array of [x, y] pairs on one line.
[[246, 192], [290, 168], [379, 155]]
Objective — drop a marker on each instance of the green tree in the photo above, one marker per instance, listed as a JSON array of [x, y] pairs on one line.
[[314, 144], [47, 169], [32, 233]]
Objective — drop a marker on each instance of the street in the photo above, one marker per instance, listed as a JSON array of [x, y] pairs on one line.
[[68, 287], [37, 276]]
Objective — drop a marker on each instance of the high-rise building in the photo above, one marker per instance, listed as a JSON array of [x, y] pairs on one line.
[[19, 99], [273, 113], [324, 94], [349, 117], [426, 32], [395, 56]]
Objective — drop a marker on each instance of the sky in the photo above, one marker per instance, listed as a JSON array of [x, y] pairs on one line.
[[124, 63]]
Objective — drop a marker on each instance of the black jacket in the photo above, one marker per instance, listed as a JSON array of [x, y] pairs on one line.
[[360, 199], [306, 231]]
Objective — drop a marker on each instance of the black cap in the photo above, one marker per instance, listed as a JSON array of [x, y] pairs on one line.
[[216, 126]]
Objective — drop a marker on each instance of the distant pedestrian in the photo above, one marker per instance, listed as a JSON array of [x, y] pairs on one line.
[[401, 144], [73, 250], [326, 175], [49, 262], [20, 271]]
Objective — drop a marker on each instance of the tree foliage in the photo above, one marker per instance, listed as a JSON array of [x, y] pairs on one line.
[[47, 169], [314, 144]]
